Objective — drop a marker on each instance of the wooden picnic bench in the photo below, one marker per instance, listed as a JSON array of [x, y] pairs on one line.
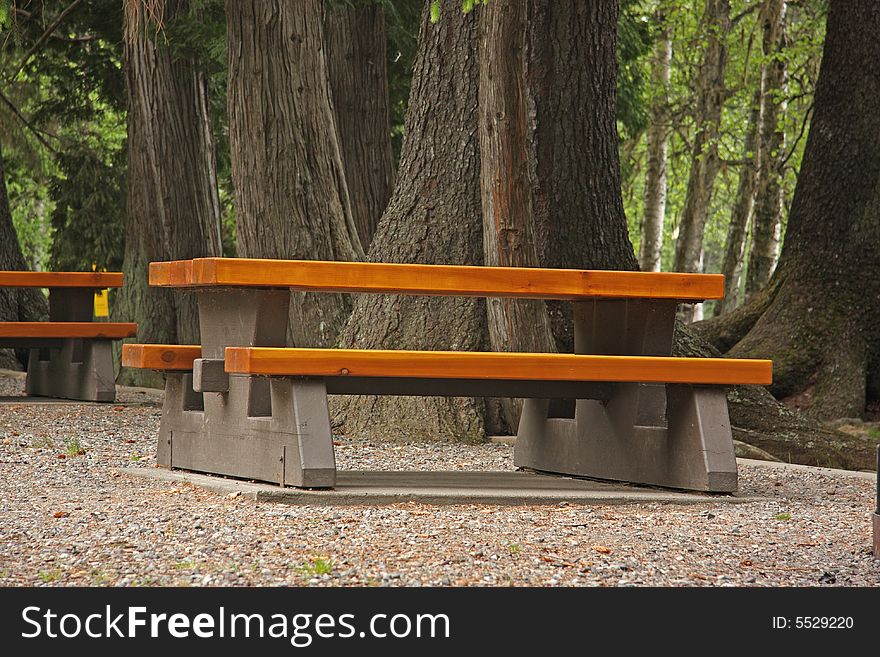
[[70, 355], [243, 404]]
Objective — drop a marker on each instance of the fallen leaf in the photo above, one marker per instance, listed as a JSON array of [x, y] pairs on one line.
[[697, 576], [601, 549], [60, 514], [62, 456], [554, 560], [746, 562], [809, 544], [119, 408], [232, 496]]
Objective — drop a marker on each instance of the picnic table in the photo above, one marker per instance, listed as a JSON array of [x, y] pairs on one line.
[[243, 404], [70, 355]]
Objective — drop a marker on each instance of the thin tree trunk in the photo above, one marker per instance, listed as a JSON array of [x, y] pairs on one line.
[[291, 193], [173, 208], [767, 215], [651, 243], [735, 245], [359, 85], [823, 301], [508, 222], [433, 217], [705, 163], [17, 304]]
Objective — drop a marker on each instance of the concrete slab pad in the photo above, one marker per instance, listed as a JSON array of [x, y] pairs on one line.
[[355, 487]]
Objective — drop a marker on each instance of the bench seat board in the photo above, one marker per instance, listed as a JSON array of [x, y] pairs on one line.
[[495, 365], [50, 279], [437, 280], [97, 330], [160, 356]]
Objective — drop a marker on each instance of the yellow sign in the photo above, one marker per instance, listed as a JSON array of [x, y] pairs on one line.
[[102, 306]]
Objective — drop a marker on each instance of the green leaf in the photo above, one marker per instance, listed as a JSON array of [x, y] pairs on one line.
[[435, 11]]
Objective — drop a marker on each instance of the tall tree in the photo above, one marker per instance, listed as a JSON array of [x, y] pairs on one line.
[[817, 317], [433, 217], [172, 209], [359, 84], [705, 162], [737, 230], [651, 243], [509, 238], [16, 304], [291, 194], [547, 200], [768, 203]]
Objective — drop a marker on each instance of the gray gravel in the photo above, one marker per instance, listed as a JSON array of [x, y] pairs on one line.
[[71, 518]]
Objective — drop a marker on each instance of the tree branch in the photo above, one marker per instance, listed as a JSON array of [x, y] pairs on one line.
[[36, 131], [800, 135], [44, 37]]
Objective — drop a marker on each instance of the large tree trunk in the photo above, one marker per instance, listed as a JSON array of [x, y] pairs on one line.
[[291, 193], [821, 308], [767, 215], [710, 94], [550, 176], [173, 209], [651, 243], [359, 85], [574, 163], [433, 217], [509, 238], [17, 304], [735, 244]]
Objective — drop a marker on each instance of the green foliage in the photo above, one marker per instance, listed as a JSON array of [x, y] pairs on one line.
[[316, 567], [634, 41], [802, 53], [88, 218]]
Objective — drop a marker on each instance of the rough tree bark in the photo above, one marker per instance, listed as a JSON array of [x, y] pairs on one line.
[[291, 195], [767, 214], [735, 244], [574, 164], [173, 209], [509, 238], [359, 85], [433, 217], [550, 176], [818, 316], [16, 304], [710, 94], [651, 242]]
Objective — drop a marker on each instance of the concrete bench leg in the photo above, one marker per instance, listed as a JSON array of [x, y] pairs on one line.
[[274, 429], [80, 368], [667, 435]]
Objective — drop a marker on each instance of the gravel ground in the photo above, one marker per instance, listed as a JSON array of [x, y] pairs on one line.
[[69, 518]]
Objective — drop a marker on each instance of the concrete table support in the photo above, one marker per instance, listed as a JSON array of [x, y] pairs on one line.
[[252, 427], [71, 368], [667, 435]]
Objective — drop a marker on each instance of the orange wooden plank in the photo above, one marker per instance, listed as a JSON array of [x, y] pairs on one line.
[[110, 330], [485, 365], [96, 279], [451, 280], [160, 356]]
